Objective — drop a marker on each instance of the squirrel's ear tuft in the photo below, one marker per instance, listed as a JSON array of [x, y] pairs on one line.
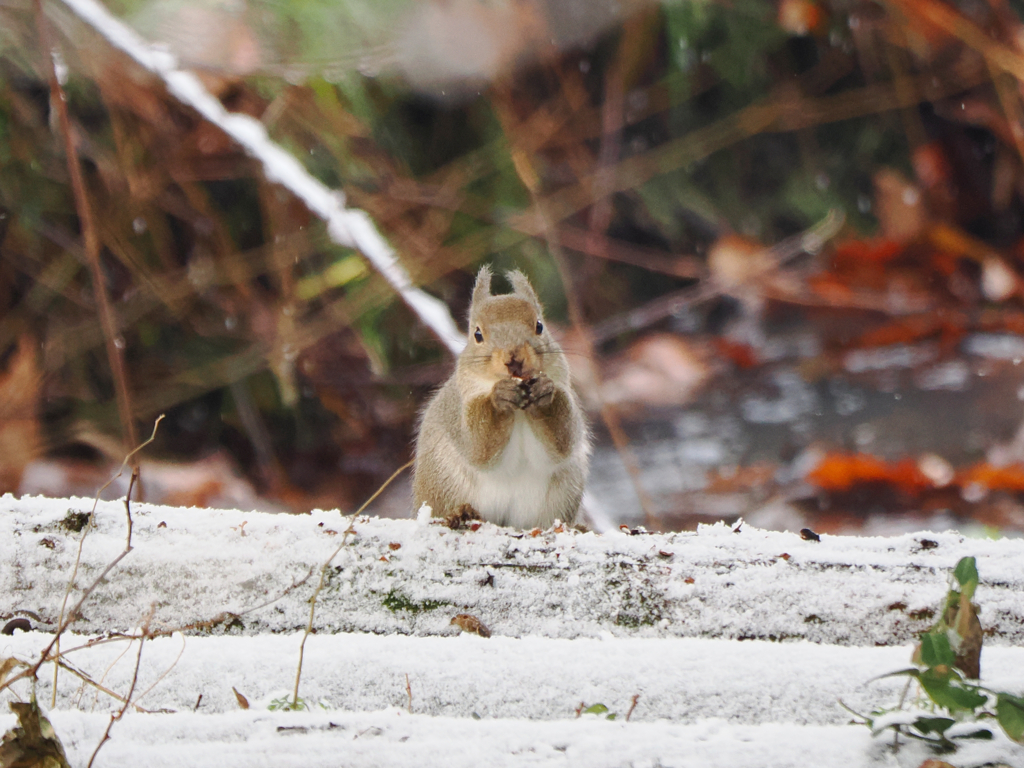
[[522, 287], [482, 288]]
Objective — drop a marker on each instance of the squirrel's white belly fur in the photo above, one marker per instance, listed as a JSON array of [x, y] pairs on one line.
[[513, 490]]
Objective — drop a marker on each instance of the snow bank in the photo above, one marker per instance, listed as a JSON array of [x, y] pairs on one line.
[[576, 619], [397, 576], [396, 739], [532, 678]]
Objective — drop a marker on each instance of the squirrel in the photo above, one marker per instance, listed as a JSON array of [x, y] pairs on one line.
[[505, 438]]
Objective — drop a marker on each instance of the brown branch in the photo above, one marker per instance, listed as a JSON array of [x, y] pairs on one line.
[[66, 620], [220, 618], [950, 20], [770, 115], [90, 235], [61, 624], [97, 685], [809, 241], [632, 705], [71, 617]]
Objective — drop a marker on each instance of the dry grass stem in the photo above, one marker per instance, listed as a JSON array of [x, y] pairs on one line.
[[632, 705], [131, 689], [90, 235], [61, 623], [323, 574]]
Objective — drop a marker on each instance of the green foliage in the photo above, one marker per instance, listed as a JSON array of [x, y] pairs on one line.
[[599, 709], [966, 574], [935, 650], [395, 601], [946, 687], [1010, 714], [74, 521], [287, 704], [949, 698], [733, 39]]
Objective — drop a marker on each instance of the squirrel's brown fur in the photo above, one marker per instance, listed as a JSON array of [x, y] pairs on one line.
[[505, 433]]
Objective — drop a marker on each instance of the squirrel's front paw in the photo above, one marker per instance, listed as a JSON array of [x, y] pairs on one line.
[[508, 395], [540, 392]]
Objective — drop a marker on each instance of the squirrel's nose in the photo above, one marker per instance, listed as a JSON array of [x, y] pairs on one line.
[[515, 366]]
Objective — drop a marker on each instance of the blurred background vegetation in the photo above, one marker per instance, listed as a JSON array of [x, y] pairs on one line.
[[651, 165]]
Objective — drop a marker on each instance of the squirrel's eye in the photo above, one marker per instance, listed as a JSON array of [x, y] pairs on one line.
[[479, 336], [540, 327]]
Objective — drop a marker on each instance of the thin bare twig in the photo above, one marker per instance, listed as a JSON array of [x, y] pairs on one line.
[[131, 689], [90, 234], [148, 633], [632, 706], [810, 241], [204, 625], [61, 625], [66, 620], [116, 660], [226, 615], [346, 226], [96, 684], [45, 655], [163, 674], [609, 415], [408, 692], [323, 573]]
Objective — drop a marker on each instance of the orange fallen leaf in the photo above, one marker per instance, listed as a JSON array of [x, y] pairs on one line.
[[743, 355], [1008, 478], [242, 701], [840, 472]]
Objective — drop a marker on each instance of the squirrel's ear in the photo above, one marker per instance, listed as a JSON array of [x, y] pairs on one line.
[[521, 285], [482, 288]]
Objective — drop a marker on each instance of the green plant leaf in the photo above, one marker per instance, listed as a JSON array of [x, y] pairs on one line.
[[1010, 715], [596, 709], [908, 672], [936, 650], [982, 734], [966, 572], [965, 698], [933, 724], [285, 704], [939, 687]]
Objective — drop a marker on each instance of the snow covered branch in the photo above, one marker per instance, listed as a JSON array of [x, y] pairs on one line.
[[576, 620], [348, 227], [400, 576]]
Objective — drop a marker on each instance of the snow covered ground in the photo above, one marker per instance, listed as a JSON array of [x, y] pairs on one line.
[[577, 619]]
